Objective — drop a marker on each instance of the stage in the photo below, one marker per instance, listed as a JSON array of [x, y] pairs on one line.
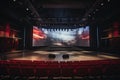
[[57, 55]]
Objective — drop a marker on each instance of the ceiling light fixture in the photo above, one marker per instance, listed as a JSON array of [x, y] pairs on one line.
[[96, 9], [108, 0], [89, 15], [27, 9], [14, 0], [102, 4]]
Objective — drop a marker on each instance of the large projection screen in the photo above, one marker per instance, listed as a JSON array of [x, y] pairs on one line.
[[61, 37]]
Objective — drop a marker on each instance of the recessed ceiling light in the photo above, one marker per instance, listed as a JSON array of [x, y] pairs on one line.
[[108, 0], [84, 19], [14, 0], [96, 9], [89, 15], [102, 4], [27, 9]]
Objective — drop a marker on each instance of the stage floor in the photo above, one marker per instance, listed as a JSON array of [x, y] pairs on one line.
[[44, 55]]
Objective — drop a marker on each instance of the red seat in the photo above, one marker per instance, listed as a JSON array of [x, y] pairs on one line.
[[95, 70], [114, 61], [15, 61], [112, 70], [53, 71], [14, 71], [39, 62], [81, 71], [52, 62], [41, 71], [67, 71], [4, 66], [27, 71]]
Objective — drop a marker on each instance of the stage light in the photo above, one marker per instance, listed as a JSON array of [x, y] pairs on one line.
[[53, 29], [50, 30], [65, 29]]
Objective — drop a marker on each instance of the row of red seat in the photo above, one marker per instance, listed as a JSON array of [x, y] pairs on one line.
[[108, 61], [59, 69]]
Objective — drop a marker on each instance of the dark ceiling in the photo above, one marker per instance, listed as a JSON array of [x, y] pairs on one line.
[[49, 12]]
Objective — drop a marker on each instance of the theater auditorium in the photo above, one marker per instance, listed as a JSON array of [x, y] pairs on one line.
[[59, 40]]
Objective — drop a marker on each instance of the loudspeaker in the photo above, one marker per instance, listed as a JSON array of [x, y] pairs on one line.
[[65, 56]]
